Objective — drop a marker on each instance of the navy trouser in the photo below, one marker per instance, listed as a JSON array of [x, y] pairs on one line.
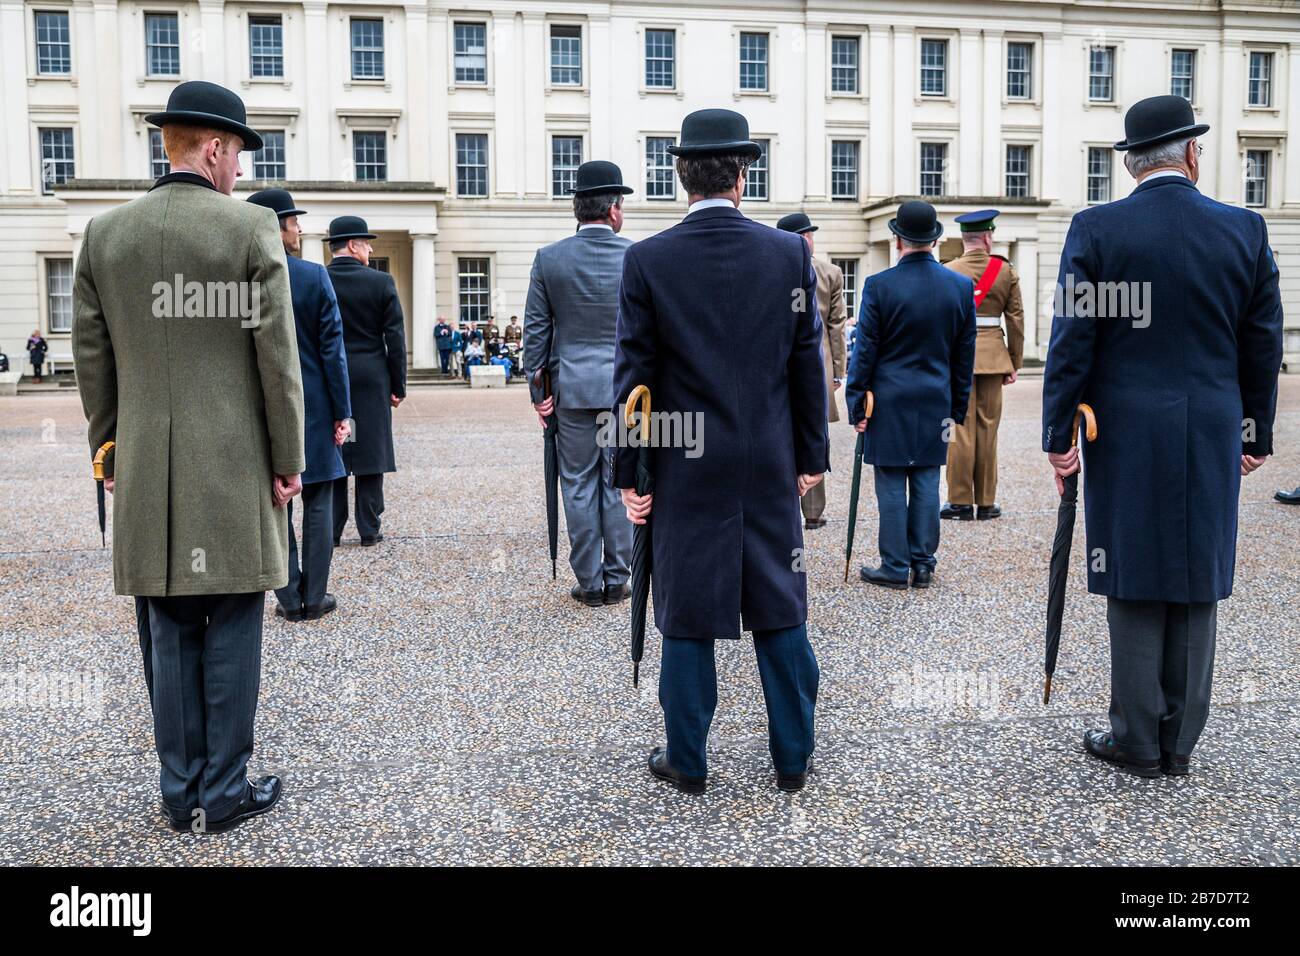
[[203, 664], [369, 504], [908, 502], [444, 359], [309, 575], [688, 693]]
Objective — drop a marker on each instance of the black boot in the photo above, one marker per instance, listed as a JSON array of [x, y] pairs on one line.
[[985, 512], [950, 512], [259, 796], [662, 770], [1103, 746]]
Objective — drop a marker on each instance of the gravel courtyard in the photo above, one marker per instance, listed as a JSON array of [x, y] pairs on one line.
[[460, 708]]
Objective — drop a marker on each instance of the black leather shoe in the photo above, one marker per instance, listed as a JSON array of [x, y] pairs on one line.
[[325, 606], [876, 576], [371, 542], [921, 577], [792, 783], [1102, 745], [812, 524], [292, 615], [337, 542], [617, 594], [181, 821], [957, 512], [661, 770], [589, 598], [1288, 497], [261, 795], [985, 512], [1172, 765]]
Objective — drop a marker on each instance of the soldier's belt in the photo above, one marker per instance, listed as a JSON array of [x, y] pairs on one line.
[[988, 322]]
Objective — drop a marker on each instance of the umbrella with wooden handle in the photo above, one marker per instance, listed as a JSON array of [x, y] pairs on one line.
[[868, 406], [1060, 565], [642, 553], [97, 466]]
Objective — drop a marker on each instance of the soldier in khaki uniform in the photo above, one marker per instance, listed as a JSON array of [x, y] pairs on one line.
[[830, 306], [973, 453]]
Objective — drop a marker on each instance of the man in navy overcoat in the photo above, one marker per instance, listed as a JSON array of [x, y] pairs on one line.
[[915, 352], [718, 317], [1168, 322], [327, 406]]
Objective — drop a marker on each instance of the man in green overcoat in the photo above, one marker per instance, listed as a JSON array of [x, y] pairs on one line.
[[187, 360]]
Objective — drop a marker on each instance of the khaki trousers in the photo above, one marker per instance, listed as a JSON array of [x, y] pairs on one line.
[[973, 454]]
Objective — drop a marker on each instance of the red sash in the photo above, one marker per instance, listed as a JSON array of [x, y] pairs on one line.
[[989, 277]]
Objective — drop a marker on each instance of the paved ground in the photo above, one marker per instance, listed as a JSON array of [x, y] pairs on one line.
[[459, 708]]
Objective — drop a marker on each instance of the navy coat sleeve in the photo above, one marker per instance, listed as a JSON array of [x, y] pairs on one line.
[[963, 360], [806, 372], [637, 344], [539, 327], [333, 356], [395, 340], [1070, 349], [1259, 353], [862, 361]]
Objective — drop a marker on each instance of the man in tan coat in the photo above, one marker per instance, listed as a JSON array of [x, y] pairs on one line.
[[187, 359], [973, 453], [830, 306]]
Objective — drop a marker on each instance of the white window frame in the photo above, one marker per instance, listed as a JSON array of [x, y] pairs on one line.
[[948, 142], [457, 131], [846, 33], [1274, 77], [1116, 94], [246, 18], [1035, 69], [143, 35], [771, 33], [949, 65], [582, 86], [1197, 60], [850, 289], [365, 13], [1031, 173], [1109, 153], [551, 136], [35, 75], [644, 141], [860, 172], [474, 20], [678, 29], [492, 271], [354, 132], [771, 145], [1270, 167], [46, 314]]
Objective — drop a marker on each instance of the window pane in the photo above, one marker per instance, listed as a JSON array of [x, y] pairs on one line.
[[850, 269], [158, 164], [934, 67], [474, 286], [1020, 68], [53, 42], [1257, 177], [660, 180], [753, 61], [660, 58], [471, 164], [58, 164], [1261, 78], [58, 292], [265, 46], [1099, 165], [269, 162], [1182, 73], [844, 169], [367, 49], [1017, 171], [844, 64], [471, 53], [566, 55], [1101, 73], [934, 163], [566, 157], [369, 156], [756, 177], [162, 35]]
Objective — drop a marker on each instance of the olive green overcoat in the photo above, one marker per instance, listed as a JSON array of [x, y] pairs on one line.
[[201, 391]]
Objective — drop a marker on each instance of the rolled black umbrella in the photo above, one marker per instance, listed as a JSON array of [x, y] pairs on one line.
[[1060, 566], [98, 468], [642, 555], [868, 406], [550, 468]]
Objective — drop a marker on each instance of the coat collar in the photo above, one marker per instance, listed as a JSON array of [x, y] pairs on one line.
[[1161, 181], [714, 212], [915, 257], [345, 261], [181, 176]]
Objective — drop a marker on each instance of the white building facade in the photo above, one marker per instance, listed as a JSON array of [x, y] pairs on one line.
[[455, 129]]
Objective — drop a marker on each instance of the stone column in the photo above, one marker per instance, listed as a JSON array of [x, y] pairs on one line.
[[534, 176], [814, 186], [1230, 178], [994, 73], [1291, 150], [968, 181], [15, 160], [881, 76], [420, 74], [209, 47], [905, 85], [1052, 106], [423, 301]]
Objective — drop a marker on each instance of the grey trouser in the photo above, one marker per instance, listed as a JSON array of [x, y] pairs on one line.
[[203, 665], [600, 536], [813, 502], [1161, 667]]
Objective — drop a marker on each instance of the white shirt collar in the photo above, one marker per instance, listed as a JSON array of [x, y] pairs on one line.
[[1164, 172], [709, 204], [595, 225]]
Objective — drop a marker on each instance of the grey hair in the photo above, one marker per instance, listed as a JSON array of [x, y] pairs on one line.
[[1141, 161], [915, 246]]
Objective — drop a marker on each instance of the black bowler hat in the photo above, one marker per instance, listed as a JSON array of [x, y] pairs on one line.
[[981, 220], [1158, 119], [796, 222], [277, 200], [349, 227], [599, 176], [916, 222], [715, 131], [200, 103]]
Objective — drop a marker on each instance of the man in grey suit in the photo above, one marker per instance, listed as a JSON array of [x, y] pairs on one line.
[[569, 326]]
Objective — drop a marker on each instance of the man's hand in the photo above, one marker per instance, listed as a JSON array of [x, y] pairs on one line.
[[395, 400], [1064, 465], [544, 409], [638, 506], [861, 426], [836, 383], [341, 431], [285, 487], [108, 485], [1248, 463], [808, 482], [1010, 379]]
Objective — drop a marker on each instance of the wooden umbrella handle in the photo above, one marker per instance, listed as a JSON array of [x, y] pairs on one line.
[[98, 464], [542, 380], [868, 405], [1085, 412], [640, 397]]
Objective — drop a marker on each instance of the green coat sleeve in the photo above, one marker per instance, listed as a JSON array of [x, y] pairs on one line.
[[275, 339], [92, 353]]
